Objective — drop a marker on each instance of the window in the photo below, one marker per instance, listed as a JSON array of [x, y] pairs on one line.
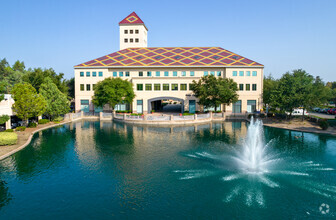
[[236, 107], [140, 73], [191, 86], [139, 87], [121, 74], [81, 87], [88, 87], [241, 73], [183, 87], [175, 73], [87, 73], [137, 31], [205, 73], [94, 73], [184, 73], [157, 87], [126, 31], [254, 87], [131, 31], [100, 74], [149, 73], [166, 73], [241, 87], [165, 87], [251, 106], [127, 74], [234, 73], [248, 73], [192, 73], [212, 73], [157, 73], [136, 40], [115, 74], [126, 40], [254, 73], [81, 74], [148, 87], [219, 73], [131, 40], [247, 87], [174, 87]]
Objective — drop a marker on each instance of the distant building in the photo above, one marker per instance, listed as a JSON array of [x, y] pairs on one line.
[[6, 108], [165, 73]]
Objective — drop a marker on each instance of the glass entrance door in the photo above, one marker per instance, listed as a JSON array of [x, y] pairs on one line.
[[237, 107], [139, 106], [192, 106]]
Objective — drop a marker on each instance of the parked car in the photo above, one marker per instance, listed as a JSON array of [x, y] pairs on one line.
[[324, 110], [332, 111], [298, 111], [316, 109]]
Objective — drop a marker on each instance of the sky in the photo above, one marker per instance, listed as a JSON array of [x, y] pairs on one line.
[[282, 35]]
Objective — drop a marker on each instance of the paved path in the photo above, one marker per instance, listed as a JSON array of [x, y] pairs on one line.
[[321, 115]]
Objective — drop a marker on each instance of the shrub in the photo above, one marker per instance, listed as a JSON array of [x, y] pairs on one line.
[[136, 114], [187, 113], [59, 118], [9, 130], [43, 121], [324, 124], [152, 111], [20, 128], [32, 125], [7, 138]]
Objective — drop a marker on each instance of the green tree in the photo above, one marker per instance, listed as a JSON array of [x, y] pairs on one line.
[[269, 85], [37, 77], [57, 102], [3, 119], [298, 89], [71, 87], [212, 91], [27, 102], [9, 76], [113, 91]]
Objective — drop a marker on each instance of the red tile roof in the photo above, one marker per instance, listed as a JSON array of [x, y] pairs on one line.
[[133, 18], [171, 56]]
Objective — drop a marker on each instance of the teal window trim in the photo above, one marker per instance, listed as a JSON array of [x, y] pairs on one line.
[[254, 73], [192, 73], [241, 73], [115, 74], [174, 73], [81, 74], [234, 73], [241, 87], [212, 73], [149, 73], [205, 73], [100, 74], [127, 74], [219, 73], [94, 74], [140, 73], [157, 73], [184, 73], [87, 73], [166, 73], [248, 73], [121, 74]]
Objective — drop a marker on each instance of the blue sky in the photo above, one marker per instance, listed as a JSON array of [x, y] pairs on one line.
[[283, 35]]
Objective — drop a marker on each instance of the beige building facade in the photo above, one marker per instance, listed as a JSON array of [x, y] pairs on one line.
[[161, 74]]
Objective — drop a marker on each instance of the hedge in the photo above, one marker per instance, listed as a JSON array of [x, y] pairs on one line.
[[20, 128], [58, 119], [9, 130], [32, 125], [43, 121], [8, 138]]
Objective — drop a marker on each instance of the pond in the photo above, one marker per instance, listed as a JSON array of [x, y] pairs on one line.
[[104, 170]]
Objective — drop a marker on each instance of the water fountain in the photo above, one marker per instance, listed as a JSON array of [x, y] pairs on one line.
[[255, 164]]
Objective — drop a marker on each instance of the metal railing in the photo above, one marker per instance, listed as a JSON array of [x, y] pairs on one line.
[[203, 116], [184, 117], [134, 117], [106, 115], [158, 117]]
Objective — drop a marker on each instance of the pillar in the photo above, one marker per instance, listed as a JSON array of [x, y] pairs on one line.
[[100, 115], [8, 124]]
